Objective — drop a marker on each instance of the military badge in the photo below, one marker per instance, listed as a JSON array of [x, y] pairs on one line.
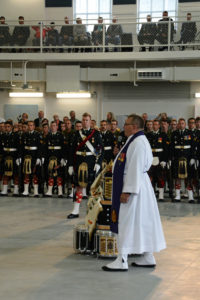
[[92, 140], [122, 157], [160, 140]]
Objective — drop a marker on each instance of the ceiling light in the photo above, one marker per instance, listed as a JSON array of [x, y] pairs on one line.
[[26, 95], [73, 95], [197, 95]]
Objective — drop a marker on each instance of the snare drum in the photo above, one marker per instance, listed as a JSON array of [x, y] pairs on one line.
[[105, 244], [81, 238]]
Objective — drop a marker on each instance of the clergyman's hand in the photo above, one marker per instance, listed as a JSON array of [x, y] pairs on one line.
[[124, 197]]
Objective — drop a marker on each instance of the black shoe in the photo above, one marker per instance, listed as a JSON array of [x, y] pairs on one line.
[[3, 195], [36, 196], [60, 196], [191, 201], [176, 201], [85, 197], [15, 195], [107, 269], [143, 266], [160, 200], [72, 216]]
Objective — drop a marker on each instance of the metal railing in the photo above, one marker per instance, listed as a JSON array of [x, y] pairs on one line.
[[131, 36]]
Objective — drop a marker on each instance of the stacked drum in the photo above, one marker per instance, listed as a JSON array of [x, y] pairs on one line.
[[103, 242]]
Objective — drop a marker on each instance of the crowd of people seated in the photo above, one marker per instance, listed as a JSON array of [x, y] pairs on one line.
[[69, 35], [76, 36], [150, 32]]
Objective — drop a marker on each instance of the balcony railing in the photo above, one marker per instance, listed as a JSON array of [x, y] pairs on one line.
[[110, 37]]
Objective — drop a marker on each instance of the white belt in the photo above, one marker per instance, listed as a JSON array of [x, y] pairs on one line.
[[157, 150], [10, 149], [108, 148], [84, 153], [183, 147], [54, 147], [30, 148]]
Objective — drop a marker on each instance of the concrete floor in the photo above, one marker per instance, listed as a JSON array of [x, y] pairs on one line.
[[37, 259]]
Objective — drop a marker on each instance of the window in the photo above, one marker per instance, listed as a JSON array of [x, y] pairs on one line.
[[90, 10], [155, 8]]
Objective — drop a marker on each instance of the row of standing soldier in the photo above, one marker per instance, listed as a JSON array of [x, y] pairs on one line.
[[176, 159], [31, 159]]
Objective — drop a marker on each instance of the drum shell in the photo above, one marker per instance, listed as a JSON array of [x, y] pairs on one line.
[[80, 239], [105, 244]]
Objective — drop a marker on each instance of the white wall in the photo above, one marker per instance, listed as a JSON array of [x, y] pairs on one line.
[[122, 99]]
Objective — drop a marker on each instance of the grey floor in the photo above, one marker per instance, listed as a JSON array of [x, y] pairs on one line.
[[37, 260]]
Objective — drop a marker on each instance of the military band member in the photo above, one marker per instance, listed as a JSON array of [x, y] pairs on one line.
[[85, 160], [119, 143], [31, 151], [182, 159], [159, 145], [11, 159], [149, 126], [114, 129], [55, 159], [108, 142]]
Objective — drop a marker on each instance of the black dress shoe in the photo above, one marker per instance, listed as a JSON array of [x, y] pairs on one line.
[[60, 196], [15, 195], [107, 269], [143, 266], [85, 197], [36, 196], [72, 216], [191, 201], [160, 200]]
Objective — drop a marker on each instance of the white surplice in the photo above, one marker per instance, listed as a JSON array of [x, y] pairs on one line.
[[140, 228]]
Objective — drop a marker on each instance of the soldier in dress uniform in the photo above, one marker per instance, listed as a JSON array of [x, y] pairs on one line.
[[68, 135], [55, 159], [182, 158], [159, 144], [11, 158], [108, 142], [119, 143], [31, 153], [85, 160], [115, 131]]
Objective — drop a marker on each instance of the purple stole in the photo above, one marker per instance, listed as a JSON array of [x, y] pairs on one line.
[[118, 174]]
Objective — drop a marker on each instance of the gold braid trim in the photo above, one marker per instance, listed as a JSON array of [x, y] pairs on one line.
[[27, 165], [51, 167], [8, 166], [83, 175]]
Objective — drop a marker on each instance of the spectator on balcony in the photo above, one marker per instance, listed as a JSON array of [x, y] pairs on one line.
[[21, 33], [66, 35], [113, 34], [52, 36], [162, 30], [97, 33], [188, 31], [4, 32], [36, 40], [147, 34], [80, 34]]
